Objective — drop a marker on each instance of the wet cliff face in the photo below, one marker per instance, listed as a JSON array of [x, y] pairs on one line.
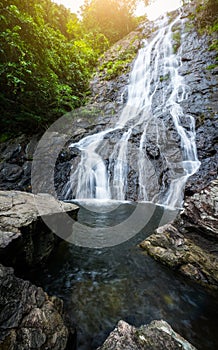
[[197, 58], [109, 95]]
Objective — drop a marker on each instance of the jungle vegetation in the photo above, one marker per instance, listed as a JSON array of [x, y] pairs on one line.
[[48, 54]]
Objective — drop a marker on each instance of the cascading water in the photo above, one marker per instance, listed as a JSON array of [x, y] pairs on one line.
[[154, 141]]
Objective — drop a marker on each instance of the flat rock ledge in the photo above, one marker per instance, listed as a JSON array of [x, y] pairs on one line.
[[157, 335], [29, 318], [24, 237], [190, 244]]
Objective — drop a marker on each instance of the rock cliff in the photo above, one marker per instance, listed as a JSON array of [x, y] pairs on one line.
[[108, 96]]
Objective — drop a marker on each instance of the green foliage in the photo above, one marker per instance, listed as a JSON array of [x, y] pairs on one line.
[[164, 77], [189, 26], [46, 61], [206, 15], [176, 40], [214, 45], [113, 18], [212, 66], [48, 55], [115, 69], [4, 137], [119, 60]]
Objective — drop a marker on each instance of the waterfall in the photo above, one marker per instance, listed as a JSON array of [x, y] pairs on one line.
[[152, 146]]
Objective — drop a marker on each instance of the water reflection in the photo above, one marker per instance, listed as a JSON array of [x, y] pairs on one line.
[[108, 223]]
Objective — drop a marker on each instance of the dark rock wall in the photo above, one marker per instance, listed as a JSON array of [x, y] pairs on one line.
[[202, 101]]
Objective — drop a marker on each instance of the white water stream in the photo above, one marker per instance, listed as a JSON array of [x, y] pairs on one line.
[[156, 115]]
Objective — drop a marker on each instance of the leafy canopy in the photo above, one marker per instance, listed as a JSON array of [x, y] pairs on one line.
[[113, 18], [46, 61], [47, 55]]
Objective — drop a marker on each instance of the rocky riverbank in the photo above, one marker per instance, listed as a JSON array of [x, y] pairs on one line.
[[190, 244], [29, 318], [25, 239]]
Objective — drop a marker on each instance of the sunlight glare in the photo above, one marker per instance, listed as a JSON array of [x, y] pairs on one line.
[[73, 5], [153, 11], [159, 7]]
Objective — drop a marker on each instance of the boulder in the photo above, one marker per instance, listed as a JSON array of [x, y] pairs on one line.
[[190, 244], [172, 248], [24, 236], [29, 318], [157, 335]]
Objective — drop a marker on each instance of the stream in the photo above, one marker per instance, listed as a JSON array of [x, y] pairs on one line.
[[101, 286]]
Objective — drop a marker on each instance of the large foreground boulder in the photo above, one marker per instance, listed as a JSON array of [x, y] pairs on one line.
[[157, 335], [29, 318], [190, 244], [24, 237]]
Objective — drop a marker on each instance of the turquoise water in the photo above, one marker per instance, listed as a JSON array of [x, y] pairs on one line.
[[102, 286]]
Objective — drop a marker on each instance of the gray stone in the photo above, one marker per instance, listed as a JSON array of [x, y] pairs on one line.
[[24, 237], [190, 244], [11, 172], [201, 210], [29, 318], [19, 209], [157, 335], [6, 237]]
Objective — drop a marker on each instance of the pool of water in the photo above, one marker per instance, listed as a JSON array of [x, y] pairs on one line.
[[117, 281]]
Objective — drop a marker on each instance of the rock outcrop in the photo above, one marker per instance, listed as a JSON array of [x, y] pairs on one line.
[[157, 335], [29, 318], [15, 163], [201, 212], [24, 237], [190, 244]]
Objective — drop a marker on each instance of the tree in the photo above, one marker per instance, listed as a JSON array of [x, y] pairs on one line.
[[113, 18], [43, 73], [47, 56]]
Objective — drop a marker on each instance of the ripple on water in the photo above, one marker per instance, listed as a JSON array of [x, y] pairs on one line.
[[102, 286]]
